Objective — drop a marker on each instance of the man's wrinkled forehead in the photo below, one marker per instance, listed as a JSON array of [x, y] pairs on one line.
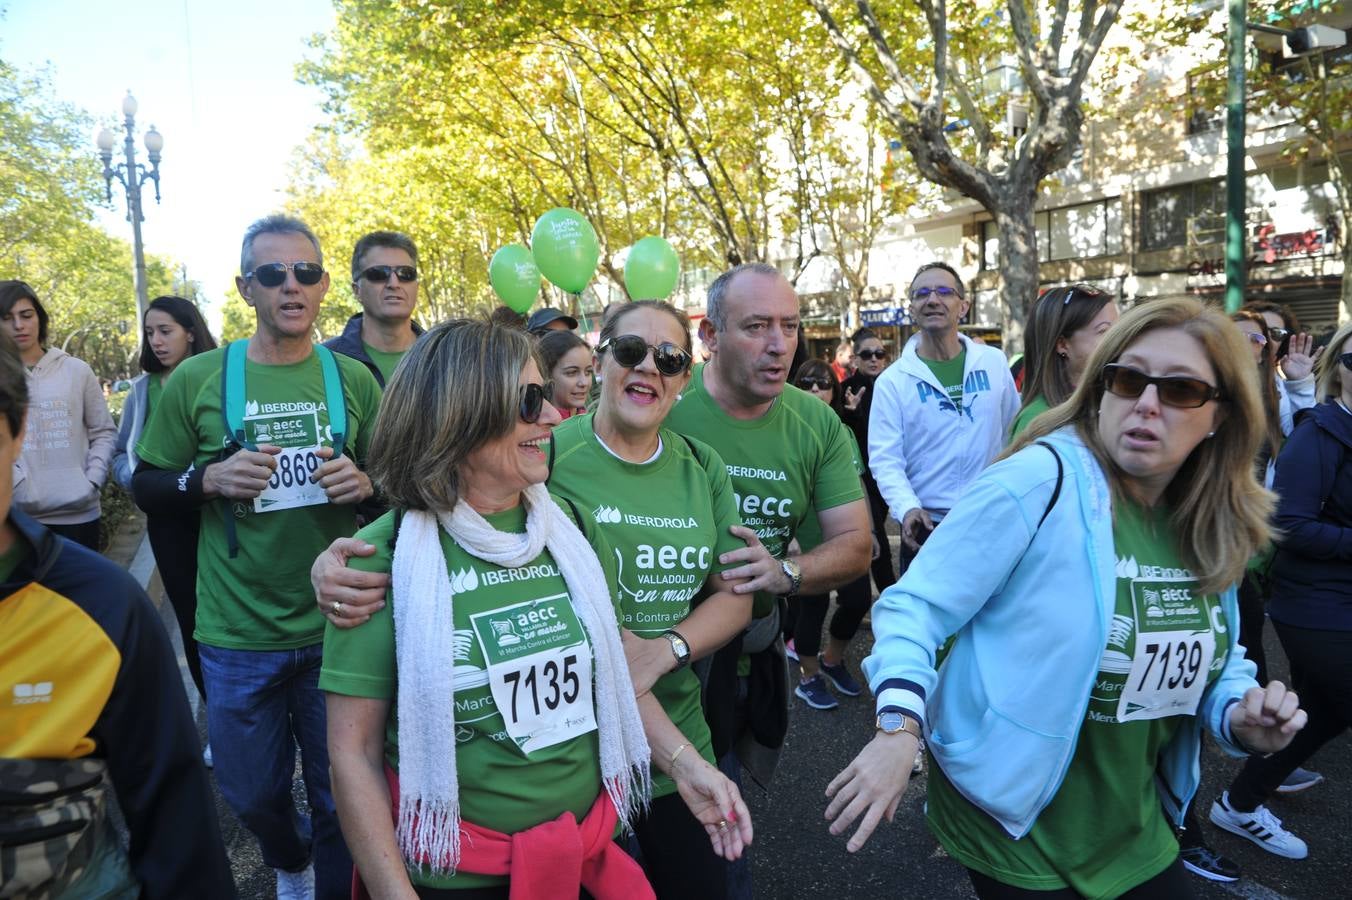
[[754, 295]]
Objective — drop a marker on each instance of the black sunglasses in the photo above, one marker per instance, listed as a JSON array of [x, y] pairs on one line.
[[1174, 390], [1278, 334], [273, 274], [872, 354], [629, 350], [533, 397], [1346, 360], [381, 274], [809, 382]]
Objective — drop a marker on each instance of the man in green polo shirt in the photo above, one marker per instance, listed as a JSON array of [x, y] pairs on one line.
[[273, 487], [385, 283]]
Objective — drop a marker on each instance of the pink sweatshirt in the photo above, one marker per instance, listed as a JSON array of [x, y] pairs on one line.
[[68, 444]]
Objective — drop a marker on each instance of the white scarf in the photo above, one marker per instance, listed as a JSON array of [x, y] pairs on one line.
[[424, 627]]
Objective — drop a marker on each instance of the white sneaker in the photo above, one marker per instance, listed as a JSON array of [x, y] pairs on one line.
[[206, 756], [1259, 826], [296, 885]]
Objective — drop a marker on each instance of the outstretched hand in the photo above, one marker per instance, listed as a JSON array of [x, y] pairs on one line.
[[715, 801], [871, 786]]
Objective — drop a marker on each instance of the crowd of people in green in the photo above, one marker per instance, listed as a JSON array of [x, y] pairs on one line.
[[526, 607]]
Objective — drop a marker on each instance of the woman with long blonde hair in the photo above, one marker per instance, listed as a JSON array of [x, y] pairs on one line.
[[1088, 578]]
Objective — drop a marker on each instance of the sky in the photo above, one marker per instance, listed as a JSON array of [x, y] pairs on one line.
[[216, 79]]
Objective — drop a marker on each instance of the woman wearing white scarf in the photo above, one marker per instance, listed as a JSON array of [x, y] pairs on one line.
[[521, 734]]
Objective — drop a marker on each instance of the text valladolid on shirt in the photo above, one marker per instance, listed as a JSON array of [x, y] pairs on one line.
[[797, 457], [666, 523], [261, 599], [503, 618], [1105, 831]]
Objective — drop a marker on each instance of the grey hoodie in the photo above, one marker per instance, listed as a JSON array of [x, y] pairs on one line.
[[68, 444]]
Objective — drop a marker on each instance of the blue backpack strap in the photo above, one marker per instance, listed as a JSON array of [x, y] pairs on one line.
[[333, 398], [232, 393]]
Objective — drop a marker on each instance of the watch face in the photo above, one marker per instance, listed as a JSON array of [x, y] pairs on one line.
[[891, 722]]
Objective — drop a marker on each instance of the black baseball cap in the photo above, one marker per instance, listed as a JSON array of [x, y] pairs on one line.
[[543, 317]]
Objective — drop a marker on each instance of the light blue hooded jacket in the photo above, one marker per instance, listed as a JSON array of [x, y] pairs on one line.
[[1030, 607]]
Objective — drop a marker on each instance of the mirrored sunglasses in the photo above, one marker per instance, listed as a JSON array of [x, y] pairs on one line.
[[629, 350], [273, 274]]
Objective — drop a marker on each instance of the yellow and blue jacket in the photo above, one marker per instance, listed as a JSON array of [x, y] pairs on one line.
[[86, 669]]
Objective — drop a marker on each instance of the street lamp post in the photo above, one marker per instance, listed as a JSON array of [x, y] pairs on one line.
[[132, 176]]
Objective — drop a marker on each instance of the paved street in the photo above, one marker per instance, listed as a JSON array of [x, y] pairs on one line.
[[793, 855]]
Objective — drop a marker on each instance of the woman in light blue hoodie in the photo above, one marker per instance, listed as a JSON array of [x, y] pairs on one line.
[[1088, 578]]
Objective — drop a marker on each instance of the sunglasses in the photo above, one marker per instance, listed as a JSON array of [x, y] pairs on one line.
[[532, 403], [381, 274], [808, 383], [1257, 338], [1173, 390], [943, 291], [629, 350], [1279, 334], [1346, 360], [872, 354], [1081, 290], [273, 274]]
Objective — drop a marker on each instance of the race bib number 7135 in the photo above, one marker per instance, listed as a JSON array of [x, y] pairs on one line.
[[539, 670]]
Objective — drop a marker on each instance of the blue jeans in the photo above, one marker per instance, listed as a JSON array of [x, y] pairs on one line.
[[261, 704]]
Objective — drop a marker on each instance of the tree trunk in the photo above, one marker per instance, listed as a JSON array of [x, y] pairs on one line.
[[1019, 275]]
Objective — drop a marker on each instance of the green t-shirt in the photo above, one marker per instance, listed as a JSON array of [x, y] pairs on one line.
[[809, 534], [1036, 407], [385, 361], [501, 787], [261, 599], [1104, 832], [666, 523], [949, 374], [796, 458], [154, 391]]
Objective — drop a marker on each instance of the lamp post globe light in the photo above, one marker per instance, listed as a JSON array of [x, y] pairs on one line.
[[132, 175]]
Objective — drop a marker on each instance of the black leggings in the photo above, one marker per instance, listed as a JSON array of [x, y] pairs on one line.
[[173, 539], [1171, 884], [1252, 615], [1321, 673], [884, 575], [852, 602], [86, 533], [677, 856]]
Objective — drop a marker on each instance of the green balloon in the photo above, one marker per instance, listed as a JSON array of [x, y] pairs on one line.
[[565, 248], [652, 269], [515, 277]]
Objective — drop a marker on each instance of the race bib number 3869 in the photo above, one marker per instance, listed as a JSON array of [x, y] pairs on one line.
[[539, 670]]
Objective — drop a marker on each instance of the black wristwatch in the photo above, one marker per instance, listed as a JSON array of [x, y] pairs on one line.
[[680, 648]]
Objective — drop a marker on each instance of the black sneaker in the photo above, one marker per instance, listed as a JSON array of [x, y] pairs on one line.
[[1204, 861]]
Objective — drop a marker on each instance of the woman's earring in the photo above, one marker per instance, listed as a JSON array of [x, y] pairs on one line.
[[1211, 434]]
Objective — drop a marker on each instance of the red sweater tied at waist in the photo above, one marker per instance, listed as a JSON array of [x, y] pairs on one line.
[[549, 861]]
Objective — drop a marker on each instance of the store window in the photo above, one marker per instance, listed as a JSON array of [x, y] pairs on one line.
[[1183, 215], [1071, 232]]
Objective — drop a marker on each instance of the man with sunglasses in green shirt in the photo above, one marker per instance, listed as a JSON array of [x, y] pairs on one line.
[[251, 437], [385, 283]]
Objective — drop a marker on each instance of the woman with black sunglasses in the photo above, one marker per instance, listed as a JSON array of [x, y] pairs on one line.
[[1311, 597], [1087, 577], [807, 612], [484, 726], [870, 359], [667, 508]]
